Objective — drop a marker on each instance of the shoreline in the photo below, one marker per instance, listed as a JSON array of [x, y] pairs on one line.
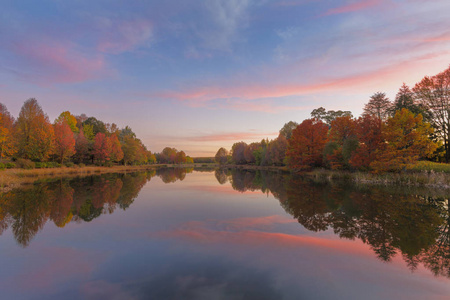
[[426, 178], [13, 178]]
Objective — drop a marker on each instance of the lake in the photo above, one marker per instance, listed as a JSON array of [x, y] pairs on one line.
[[222, 234]]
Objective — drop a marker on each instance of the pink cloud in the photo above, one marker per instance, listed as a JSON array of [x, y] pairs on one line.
[[219, 189], [125, 36], [232, 136], [356, 6], [49, 62], [247, 231], [238, 97]]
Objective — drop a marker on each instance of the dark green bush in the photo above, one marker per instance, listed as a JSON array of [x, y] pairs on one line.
[[10, 165], [69, 164], [2, 166]]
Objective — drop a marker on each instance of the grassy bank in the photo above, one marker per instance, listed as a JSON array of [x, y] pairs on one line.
[[429, 179], [426, 174], [11, 178]]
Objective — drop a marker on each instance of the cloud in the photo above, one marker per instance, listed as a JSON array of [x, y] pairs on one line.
[[220, 29], [356, 6], [263, 97], [231, 136], [48, 61], [122, 36]]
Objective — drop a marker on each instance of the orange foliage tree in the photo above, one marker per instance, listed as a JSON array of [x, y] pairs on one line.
[[368, 131], [407, 139], [7, 141], [64, 140], [34, 132], [116, 148], [306, 144]]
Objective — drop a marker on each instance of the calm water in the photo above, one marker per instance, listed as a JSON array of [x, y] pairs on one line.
[[184, 234]]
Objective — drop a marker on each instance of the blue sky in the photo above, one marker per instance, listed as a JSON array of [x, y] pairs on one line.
[[198, 75]]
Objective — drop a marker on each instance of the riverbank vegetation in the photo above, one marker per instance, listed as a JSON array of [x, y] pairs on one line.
[[32, 142], [409, 134]]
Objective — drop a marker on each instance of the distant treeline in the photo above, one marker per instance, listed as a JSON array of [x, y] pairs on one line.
[[32, 140], [388, 136]]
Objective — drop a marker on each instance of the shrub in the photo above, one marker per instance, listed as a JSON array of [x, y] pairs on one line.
[[69, 164], [10, 165], [24, 163], [53, 164], [2, 166], [81, 165], [40, 165]]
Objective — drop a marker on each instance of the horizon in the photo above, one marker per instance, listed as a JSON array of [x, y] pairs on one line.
[[198, 76]]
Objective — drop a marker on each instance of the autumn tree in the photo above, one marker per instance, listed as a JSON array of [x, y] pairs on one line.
[[69, 119], [7, 140], [342, 142], [306, 144], [102, 148], [168, 155], [116, 148], [64, 140], [276, 151], [237, 153], [221, 156], [180, 157], [249, 152], [287, 129], [34, 132], [378, 105], [407, 139], [133, 151], [434, 94], [369, 135], [82, 146]]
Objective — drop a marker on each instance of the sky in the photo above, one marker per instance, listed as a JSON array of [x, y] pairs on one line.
[[200, 75]]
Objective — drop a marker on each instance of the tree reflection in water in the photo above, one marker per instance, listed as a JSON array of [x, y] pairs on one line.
[[413, 223], [27, 210]]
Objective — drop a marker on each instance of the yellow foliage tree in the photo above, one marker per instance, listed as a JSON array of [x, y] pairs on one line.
[[407, 139]]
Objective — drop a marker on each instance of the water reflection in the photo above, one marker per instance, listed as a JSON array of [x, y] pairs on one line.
[[27, 210], [394, 222], [413, 224]]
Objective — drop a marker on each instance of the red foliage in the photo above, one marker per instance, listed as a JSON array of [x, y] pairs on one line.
[[64, 140], [306, 144], [368, 130], [102, 147]]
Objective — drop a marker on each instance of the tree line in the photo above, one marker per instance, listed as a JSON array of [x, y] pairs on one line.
[[388, 136], [32, 140]]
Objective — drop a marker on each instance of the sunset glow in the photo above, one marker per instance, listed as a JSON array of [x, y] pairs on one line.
[[199, 75]]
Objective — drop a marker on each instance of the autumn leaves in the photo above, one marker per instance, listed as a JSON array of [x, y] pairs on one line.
[[79, 138], [366, 143]]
